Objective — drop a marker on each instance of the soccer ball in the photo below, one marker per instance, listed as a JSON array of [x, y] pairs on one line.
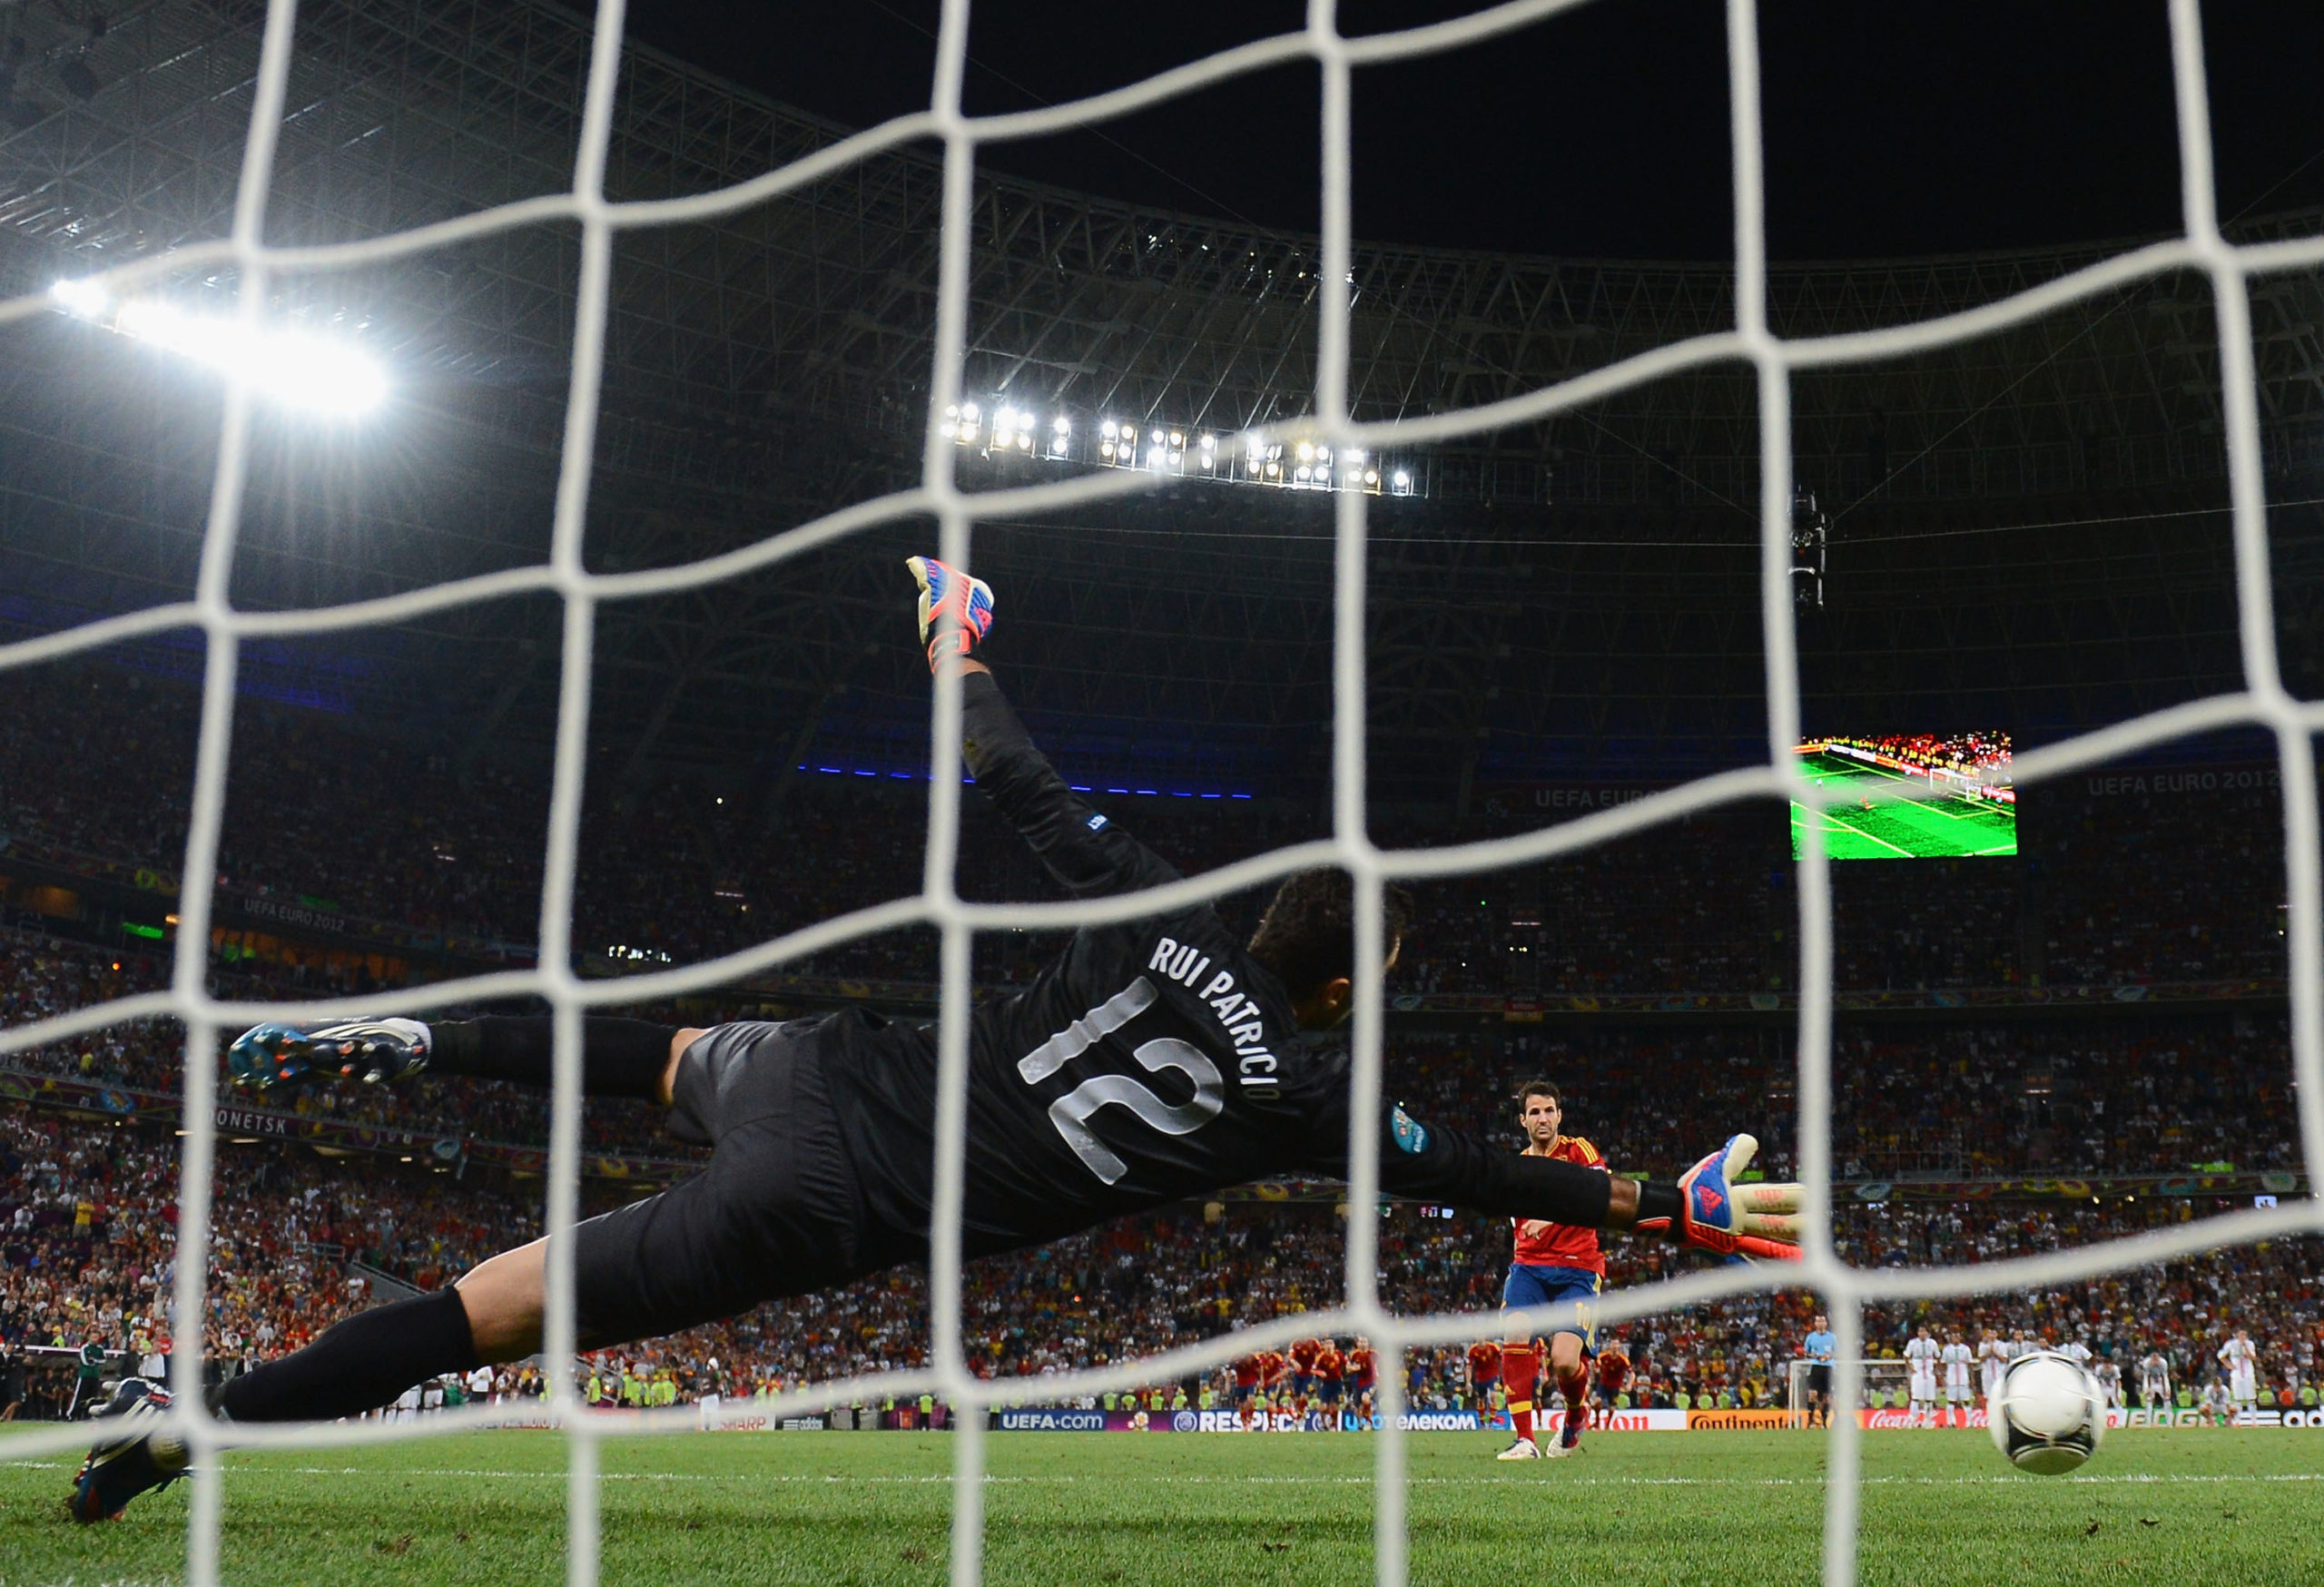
[[2049, 1414]]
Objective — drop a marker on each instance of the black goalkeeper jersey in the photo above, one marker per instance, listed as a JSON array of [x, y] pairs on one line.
[[1152, 1060]]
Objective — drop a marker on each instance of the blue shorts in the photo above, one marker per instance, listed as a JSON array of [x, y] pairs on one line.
[[1243, 1393], [1327, 1389], [1530, 1286]]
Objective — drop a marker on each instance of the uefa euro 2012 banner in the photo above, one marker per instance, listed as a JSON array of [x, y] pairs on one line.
[[1071, 1419], [1890, 1420]]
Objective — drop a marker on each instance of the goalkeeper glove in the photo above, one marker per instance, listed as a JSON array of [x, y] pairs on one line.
[[1717, 1214], [955, 612], [1747, 1247]]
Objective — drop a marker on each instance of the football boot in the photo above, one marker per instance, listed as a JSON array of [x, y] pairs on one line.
[[276, 1058]]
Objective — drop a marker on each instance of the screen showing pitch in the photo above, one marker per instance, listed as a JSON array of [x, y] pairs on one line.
[[1910, 796]]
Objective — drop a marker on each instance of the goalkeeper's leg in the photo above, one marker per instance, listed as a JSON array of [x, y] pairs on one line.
[[619, 1057]]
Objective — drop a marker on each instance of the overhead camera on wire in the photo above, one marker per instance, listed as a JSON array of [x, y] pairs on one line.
[[1810, 532]]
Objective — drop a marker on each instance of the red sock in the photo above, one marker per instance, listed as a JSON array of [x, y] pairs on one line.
[[1575, 1386], [1517, 1375]]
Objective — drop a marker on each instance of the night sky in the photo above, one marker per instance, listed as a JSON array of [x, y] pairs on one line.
[[1894, 129]]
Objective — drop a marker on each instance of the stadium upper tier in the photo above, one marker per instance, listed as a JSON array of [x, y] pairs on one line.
[[86, 1238], [730, 335], [347, 853], [2028, 526]]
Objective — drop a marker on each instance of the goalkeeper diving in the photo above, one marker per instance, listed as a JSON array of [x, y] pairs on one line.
[[1153, 1060]]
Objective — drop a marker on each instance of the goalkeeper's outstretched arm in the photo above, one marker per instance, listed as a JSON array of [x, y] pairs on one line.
[[1707, 1207]]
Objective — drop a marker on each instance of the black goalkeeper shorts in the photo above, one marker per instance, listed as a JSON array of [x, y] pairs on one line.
[[777, 1212]]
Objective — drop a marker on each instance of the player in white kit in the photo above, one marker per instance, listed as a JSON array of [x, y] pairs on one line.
[[1993, 1357], [2242, 1362], [2109, 1383], [1956, 1358], [1921, 1355], [2154, 1380]]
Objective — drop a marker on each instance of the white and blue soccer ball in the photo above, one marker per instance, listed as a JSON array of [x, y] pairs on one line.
[[2048, 1414]]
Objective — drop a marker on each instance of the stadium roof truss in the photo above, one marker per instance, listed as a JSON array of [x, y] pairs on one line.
[[774, 363], [822, 301]]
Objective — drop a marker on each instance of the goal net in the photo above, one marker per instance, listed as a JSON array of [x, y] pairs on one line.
[[227, 633]]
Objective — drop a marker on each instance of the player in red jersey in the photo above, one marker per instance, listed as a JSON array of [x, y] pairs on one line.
[[1248, 1371], [1331, 1373], [1552, 1263], [1363, 1374], [1272, 1368], [1302, 1370], [1613, 1371], [1485, 1370]]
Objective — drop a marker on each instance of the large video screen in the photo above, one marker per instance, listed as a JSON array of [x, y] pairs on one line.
[[1911, 796]]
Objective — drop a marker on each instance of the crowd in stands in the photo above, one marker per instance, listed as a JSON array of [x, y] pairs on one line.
[[1956, 752], [2124, 1094], [2121, 881], [88, 1231]]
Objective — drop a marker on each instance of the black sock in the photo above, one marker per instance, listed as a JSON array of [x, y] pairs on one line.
[[619, 1057], [359, 1365], [1659, 1201]]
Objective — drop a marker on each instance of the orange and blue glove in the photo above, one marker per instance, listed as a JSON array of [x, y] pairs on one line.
[[1717, 1214], [955, 611]]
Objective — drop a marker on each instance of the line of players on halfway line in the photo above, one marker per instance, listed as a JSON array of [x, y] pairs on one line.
[[1552, 1265], [1926, 1360]]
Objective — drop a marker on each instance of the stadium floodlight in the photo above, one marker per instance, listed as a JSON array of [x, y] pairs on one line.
[[1210, 443], [82, 300], [1372, 476], [1109, 429], [1404, 480], [1106, 451], [293, 367], [1177, 439], [1154, 457], [1063, 426], [1305, 473], [1306, 451]]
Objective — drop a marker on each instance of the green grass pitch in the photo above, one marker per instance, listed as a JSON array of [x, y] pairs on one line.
[[2193, 1507], [1930, 827]]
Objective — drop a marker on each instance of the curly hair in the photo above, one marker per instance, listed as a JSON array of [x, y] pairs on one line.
[[1307, 936]]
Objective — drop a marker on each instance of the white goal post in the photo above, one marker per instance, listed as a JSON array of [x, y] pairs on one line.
[[1881, 1384]]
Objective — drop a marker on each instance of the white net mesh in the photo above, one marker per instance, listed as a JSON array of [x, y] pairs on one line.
[[2263, 703]]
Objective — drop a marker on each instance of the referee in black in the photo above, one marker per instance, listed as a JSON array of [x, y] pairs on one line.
[[1153, 1060]]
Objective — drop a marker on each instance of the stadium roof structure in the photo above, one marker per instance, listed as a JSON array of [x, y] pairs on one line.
[[773, 364]]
